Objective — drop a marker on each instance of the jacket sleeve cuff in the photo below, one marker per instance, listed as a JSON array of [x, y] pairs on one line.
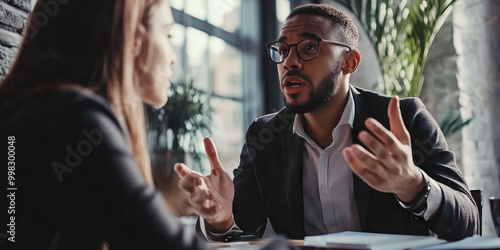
[[218, 236], [433, 201], [432, 194]]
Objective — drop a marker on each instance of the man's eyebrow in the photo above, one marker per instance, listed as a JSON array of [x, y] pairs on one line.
[[282, 38]]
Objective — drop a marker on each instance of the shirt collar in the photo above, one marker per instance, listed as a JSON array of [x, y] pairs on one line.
[[346, 118]]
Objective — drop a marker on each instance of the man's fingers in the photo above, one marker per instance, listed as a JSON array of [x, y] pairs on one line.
[[358, 166], [189, 179], [212, 155], [209, 211], [364, 166], [378, 149], [389, 140], [396, 121], [200, 197], [182, 170], [203, 203], [190, 183]]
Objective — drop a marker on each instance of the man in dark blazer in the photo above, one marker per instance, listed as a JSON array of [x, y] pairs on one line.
[[336, 158]]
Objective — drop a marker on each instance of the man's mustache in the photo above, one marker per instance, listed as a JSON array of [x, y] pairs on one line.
[[296, 72]]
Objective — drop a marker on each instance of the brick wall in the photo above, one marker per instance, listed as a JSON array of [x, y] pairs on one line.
[[13, 15]]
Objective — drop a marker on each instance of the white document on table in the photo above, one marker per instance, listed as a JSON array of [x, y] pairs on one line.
[[374, 241], [473, 242]]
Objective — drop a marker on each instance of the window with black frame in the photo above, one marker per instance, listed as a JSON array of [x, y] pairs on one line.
[[216, 53]]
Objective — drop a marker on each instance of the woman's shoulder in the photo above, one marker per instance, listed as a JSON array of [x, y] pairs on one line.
[[84, 109], [77, 99], [84, 105], [63, 110]]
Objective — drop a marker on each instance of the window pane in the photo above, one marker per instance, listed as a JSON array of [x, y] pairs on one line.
[[178, 39], [178, 34], [226, 68], [224, 14], [227, 117], [177, 4], [197, 8], [282, 9], [197, 58]]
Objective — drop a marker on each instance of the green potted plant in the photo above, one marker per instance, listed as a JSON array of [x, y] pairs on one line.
[[402, 33], [175, 132]]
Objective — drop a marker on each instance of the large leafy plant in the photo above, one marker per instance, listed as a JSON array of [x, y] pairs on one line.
[[402, 33]]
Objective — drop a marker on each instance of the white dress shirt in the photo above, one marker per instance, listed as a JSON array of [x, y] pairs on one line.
[[329, 204]]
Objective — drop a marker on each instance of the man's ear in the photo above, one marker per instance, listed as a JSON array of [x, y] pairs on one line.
[[351, 62], [139, 39]]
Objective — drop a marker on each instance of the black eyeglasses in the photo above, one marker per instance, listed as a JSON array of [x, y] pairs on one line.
[[307, 49]]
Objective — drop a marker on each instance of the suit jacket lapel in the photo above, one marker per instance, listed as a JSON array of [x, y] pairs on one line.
[[292, 163], [361, 189]]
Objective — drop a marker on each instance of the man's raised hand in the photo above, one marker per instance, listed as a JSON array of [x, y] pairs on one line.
[[211, 195], [386, 164]]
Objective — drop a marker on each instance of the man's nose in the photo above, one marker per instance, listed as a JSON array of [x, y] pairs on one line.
[[292, 61]]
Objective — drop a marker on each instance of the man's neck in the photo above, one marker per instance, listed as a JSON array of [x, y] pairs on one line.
[[320, 123]]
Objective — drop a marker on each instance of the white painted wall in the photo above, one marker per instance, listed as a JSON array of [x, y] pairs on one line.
[[476, 39]]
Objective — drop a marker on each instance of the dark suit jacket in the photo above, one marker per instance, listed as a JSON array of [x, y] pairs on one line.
[[78, 184], [268, 182]]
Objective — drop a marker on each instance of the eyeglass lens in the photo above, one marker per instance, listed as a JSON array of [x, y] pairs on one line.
[[306, 49]]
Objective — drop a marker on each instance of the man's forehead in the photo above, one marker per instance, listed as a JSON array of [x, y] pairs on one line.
[[305, 24]]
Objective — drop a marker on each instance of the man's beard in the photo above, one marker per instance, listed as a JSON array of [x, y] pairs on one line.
[[318, 96]]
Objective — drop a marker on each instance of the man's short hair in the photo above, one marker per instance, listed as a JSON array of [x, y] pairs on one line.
[[347, 30]]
